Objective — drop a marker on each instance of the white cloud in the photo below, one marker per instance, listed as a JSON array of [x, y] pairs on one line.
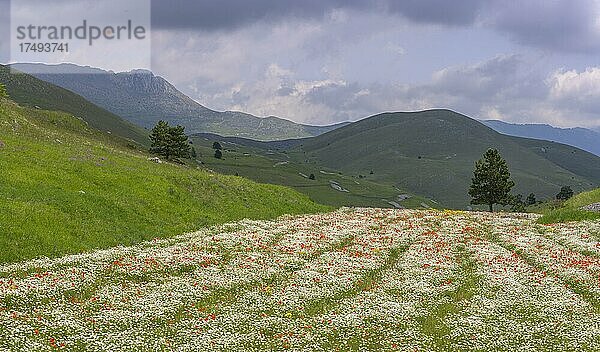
[[573, 85]]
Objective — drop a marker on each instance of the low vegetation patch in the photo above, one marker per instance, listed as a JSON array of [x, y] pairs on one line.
[[571, 210]]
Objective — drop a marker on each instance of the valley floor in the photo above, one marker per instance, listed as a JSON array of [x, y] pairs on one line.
[[352, 279]]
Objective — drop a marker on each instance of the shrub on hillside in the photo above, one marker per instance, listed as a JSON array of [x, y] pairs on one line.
[[531, 200], [517, 204], [218, 154], [565, 193]]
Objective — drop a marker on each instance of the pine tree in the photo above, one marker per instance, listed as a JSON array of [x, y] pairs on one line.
[[179, 146], [491, 181], [169, 142], [160, 138], [218, 154], [217, 146]]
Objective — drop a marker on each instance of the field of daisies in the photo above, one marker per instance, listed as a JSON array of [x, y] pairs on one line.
[[354, 279]]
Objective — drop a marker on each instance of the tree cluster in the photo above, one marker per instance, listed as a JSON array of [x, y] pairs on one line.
[[518, 205], [169, 142]]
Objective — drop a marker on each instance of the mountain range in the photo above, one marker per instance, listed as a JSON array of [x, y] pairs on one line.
[[143, 99], [583, 138], [428, 154]]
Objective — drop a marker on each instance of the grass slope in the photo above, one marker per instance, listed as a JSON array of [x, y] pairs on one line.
[[571, 209], [578, 161], [30, 91], [270, 162], [66, 188], [432, 153]]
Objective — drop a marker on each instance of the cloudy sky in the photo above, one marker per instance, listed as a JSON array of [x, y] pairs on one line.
[[326, 61]]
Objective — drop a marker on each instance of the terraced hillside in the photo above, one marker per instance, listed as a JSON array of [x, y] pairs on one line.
[[354, 279]]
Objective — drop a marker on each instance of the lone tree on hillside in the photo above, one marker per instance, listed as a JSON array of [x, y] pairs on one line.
[[169, 142], [217, 146], [565, 193], [3, 93], [491, 181]]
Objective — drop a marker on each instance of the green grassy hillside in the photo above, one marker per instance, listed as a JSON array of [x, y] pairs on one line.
[[270, 162], [67, 188], [30, 91], [571, 209], [432, 153]]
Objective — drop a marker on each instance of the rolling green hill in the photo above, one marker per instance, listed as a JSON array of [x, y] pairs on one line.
[[30, 91], [432, 153], [570, 158], [66, 187]]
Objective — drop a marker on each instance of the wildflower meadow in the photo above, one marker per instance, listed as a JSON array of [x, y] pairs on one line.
[[353, 279]]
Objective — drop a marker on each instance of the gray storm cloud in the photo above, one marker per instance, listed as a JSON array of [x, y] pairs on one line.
[[557, 24]]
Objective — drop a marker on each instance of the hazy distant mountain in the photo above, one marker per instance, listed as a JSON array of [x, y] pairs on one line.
[[143, 98], [432, 153], [585, 139]]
